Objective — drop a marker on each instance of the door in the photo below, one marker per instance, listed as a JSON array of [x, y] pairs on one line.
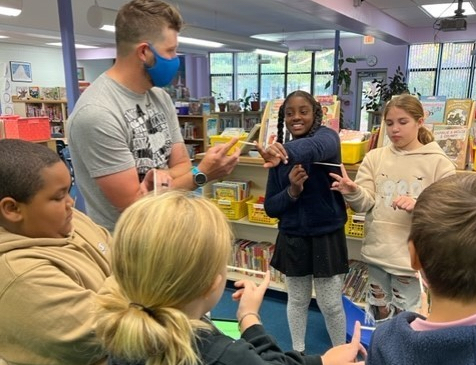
[[365, 86]]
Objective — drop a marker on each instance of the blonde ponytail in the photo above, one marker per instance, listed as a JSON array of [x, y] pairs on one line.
[[160, 246]]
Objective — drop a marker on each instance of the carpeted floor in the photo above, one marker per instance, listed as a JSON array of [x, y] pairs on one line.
[[273, 315]]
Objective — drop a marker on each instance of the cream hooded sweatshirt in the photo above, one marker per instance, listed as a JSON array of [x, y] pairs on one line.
[[47, 291], [384, 174]]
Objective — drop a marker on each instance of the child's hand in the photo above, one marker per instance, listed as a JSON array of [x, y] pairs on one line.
[[404, 202], [343, 183], [297, 177], [273, 155], [250, 296], [346, 354]]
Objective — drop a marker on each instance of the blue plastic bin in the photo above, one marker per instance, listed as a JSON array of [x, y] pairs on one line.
[[355, 313]]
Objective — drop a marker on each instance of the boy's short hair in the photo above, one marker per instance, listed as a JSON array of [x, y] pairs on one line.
[[443, 232], [21, 163]]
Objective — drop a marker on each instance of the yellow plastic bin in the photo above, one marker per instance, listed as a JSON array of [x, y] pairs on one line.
[[353, 152]]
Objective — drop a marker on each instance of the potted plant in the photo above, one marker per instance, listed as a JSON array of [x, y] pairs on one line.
[[254, 101], [382, 92], [245, 100], [221, 101], [343, 73]]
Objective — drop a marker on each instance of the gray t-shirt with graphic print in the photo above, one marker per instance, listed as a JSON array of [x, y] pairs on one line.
[[113, 129]]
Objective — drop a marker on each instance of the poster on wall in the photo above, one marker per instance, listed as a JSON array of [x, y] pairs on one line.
[[6, 104], [21, 71]]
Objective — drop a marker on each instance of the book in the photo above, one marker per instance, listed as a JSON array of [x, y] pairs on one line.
[[434, 107], [226, 191], [458, 111], [453, 140], [34, 92], [22, 92], [212, 128], [330, 106], [269, 125], [50, 93]]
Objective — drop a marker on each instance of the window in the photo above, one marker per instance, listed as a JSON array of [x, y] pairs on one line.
[[323, 66], [442, 69], [221, 74], [299, 71]]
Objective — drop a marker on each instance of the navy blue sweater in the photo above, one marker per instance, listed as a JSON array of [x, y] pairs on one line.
[[396, 343], [318, 210]]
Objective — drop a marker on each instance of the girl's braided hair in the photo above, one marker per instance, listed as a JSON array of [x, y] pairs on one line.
[[316, 110]]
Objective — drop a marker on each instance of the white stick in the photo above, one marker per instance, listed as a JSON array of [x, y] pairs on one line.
[[367, 328], [155, 182], [248, 143], [327, 164], [245, 270], [422, 287]]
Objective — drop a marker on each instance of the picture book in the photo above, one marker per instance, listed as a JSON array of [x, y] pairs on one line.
[[269, 130], [226, 191], [34, 92], [453, 139], [458, 111], [22, 92], [212, 128], [434, 107], [50, 93], [330, 106]]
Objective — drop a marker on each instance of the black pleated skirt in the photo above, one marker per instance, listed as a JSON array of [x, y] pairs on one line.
[[321, 256]]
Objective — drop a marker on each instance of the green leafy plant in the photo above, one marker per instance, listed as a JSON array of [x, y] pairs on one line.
[[382, 92], [343, 73], [245, 100], [218, 97]]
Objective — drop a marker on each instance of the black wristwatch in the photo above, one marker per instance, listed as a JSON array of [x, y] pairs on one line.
[[199, 178]]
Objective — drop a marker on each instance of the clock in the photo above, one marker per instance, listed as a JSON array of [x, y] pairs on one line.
[[372, 60]]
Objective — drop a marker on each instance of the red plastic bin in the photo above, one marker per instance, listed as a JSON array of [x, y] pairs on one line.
[[28, 129]]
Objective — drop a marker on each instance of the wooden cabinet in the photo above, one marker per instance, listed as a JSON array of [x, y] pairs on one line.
[[55, 110]]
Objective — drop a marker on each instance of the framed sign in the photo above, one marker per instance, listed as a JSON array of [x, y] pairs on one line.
[[20, 71], [81, 73]]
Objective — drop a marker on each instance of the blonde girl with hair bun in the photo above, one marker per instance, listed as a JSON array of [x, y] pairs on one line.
[[169, 263]]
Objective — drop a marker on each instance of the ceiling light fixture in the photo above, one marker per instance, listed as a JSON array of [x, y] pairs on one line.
[[233, 40], [447, 10], [199, 42], [11, 7], [101, 18], [77, 45], [270, 53]]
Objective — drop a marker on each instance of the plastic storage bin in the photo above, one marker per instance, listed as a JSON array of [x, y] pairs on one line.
[[354, 313], [257, 214], [233, 209], [28, 129], [217, 139], [354, 226], [353, 152]]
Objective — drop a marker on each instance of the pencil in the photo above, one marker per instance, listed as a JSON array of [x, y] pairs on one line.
[[327, 164], [249, 271]]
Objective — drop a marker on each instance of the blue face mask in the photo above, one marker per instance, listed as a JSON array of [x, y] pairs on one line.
[[163, 70]]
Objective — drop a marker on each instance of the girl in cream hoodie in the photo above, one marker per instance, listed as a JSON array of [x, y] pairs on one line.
[[386, 187]]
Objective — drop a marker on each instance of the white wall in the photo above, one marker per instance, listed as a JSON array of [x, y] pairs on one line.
[[93, 68], [46, 63]]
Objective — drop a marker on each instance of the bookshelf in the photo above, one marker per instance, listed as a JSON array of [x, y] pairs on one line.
[[245, 120], [55, 110], [252, 168], [194, 132]]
